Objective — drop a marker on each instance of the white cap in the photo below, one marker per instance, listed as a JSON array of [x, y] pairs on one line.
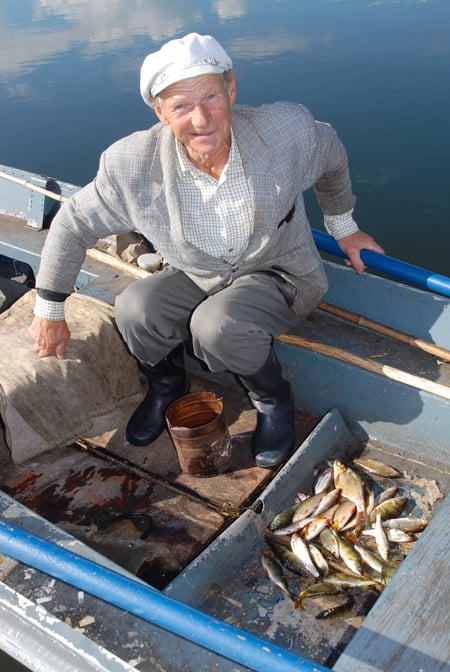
[[189, 56]]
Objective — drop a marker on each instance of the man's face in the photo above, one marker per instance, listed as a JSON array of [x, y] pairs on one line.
[[198, 112]]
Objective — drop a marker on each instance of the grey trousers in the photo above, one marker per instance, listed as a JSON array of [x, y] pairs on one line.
[[231, 330]]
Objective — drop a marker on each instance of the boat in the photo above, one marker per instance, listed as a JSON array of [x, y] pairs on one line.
[[114, 558]]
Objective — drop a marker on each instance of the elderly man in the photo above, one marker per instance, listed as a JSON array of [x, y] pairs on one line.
[[217, 188]]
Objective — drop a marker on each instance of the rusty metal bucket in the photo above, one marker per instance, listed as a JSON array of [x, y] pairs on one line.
[[199, 433]]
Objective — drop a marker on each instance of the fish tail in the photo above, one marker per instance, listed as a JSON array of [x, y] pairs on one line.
[[298, 602]]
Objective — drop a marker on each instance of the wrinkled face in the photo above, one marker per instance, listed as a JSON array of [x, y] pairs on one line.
[[198, 112]]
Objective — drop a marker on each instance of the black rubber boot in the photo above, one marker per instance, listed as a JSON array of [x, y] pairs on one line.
[[168, 381], [274, 437]]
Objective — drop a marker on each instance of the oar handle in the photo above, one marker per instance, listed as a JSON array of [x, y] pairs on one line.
[[388, 265]]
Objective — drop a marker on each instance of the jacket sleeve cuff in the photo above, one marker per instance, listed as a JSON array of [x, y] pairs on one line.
[[340, 226], [49, 310]]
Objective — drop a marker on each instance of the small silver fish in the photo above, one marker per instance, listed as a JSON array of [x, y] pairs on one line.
[[370, 500], [301, 550], [323, 481], [395, 535], [381, 538], [406, 524], [319, 560], [328, 500]]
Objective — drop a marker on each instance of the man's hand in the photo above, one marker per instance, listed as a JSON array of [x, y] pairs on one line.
[[49, 336], [353, 244]]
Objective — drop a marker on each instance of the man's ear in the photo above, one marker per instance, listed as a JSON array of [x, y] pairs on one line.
[[160, 114], [231, 85]]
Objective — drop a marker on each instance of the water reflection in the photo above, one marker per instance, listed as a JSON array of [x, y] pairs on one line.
[[376, 69], [34, 34]]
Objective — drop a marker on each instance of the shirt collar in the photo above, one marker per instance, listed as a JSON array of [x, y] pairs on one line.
[[185, 166]]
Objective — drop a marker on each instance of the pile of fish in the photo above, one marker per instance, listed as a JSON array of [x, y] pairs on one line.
[[341, 537]]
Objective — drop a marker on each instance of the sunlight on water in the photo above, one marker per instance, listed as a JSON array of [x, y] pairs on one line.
[[378, 70]]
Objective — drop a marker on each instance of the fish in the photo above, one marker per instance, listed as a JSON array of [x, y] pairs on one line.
[[319, 560], [376, 468], [321, 537], [324, 481], [369, 500], [393, 534], [301, 496], [350, 580], [338, 609], [282, 519], [315, 590], [391, 508], [389, 493], [273, 571], [301, 550], [287, 558], [351, 485], [317, 524], [292, 527], [348, 555], [406, 524], [328, 500], [389, 570], [343, 513], [381, 539], [369, 558], [297, 522], [329, 542], [307, 507]]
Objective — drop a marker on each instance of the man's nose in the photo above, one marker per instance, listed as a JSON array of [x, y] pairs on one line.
[[199, 114]]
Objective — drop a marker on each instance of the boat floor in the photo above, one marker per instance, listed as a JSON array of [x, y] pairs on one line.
[[81, 485], [117, 497]]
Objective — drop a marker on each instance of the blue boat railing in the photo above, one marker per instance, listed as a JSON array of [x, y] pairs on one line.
[[150, 604], [388, 265]]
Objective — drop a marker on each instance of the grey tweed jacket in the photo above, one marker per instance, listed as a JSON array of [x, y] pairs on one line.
[[284, 152]]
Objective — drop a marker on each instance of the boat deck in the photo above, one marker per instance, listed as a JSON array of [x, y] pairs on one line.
[[89, 487], [199, 550], [200, 539]]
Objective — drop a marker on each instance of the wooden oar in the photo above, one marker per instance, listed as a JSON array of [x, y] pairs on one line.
[[375, 367], [94, 253], [362, 321], [33, 187]]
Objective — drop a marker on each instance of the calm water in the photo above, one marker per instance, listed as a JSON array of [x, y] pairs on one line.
[[378, 70]]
